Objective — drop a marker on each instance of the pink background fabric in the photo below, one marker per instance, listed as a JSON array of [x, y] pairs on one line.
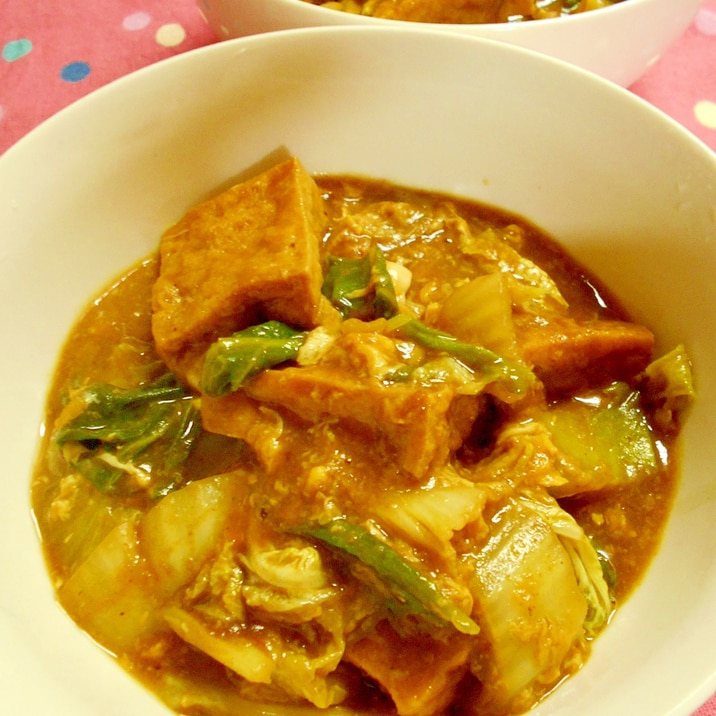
[[56, 51], [52, 52]]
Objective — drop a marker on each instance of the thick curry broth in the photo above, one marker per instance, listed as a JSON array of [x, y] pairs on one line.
[[465, 12], [112, 343]]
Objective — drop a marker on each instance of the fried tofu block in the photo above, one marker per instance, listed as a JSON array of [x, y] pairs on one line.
[[419, 423], [239, 416], [249, 254], [566, 354], [419, 673], [422, 425]]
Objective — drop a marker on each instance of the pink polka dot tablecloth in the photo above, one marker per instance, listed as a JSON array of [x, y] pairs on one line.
[[55, 51]]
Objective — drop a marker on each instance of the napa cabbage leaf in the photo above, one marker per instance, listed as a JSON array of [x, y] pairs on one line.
[[143, 562], [429, 517], [669, 387], [126, 440], [585, 560], [602, 440], [539, 592]]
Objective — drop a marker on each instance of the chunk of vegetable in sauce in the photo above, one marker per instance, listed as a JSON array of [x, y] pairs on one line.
[[231, 361], [412, 589]]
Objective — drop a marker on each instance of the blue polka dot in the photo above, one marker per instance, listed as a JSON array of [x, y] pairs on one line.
[[75, 71]]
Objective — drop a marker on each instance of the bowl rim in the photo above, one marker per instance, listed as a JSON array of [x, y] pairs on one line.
[[400, 27]]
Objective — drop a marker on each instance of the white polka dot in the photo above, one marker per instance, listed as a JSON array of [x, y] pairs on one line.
[[705, 21], [170, 35], [705, 113], [136, 21]]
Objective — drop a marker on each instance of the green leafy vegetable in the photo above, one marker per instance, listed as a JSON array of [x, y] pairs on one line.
[[514, 377], [346, 286], [361, 287], [231, 361], [116, 415], [130, 439], [412, 588], [386, 302]]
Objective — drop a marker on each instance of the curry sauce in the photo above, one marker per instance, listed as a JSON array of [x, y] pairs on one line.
[[465, 11]]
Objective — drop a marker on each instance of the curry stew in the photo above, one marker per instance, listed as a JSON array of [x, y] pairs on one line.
[[463, 12], [346, 443]]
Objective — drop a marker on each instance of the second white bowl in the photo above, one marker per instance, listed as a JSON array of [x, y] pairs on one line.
[[619, 42]]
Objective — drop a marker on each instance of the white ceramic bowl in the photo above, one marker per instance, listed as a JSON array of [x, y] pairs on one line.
[[627, 190], [619, 42]]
